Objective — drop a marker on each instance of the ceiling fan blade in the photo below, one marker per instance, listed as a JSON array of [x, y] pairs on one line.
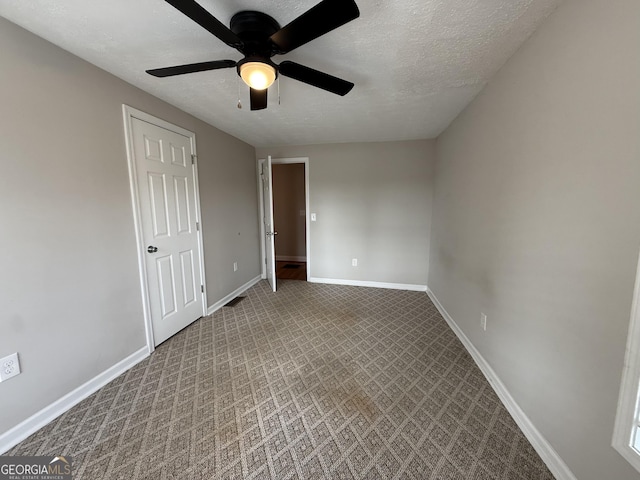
[[258, 99], [314, 77], [207, 21], [191, 68], [324, 17]]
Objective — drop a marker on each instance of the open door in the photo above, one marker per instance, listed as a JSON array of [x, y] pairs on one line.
[[269, 228]]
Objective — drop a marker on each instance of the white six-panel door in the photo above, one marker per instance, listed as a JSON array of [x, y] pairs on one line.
[[168, 216]]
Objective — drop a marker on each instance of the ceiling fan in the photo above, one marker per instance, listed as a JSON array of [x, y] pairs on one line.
[[259, 37]]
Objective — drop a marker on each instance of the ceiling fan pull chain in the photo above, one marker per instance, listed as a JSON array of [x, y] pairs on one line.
[[278, 90], [239, 102]]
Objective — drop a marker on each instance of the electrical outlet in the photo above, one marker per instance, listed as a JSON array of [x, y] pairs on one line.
[[9, 367], [235, 266], [354, 262], [483, 321]]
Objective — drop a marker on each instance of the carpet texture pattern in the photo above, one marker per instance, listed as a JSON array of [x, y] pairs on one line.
[[312, 382]]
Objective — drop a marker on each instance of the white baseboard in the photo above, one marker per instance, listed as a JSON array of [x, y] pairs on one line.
[[32, 424], [38, 420], [221, 303], [549, 456], [290, 258], [364, 283]]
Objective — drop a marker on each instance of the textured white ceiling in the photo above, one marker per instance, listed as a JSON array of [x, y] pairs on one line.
[[415, 63]]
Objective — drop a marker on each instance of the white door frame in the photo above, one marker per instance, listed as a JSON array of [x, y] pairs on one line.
[[275, 161], [129, 113]]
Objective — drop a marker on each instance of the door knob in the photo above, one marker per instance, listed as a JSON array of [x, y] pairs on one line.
[[152, 249]]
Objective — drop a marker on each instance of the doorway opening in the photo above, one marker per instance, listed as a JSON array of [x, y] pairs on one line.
[[289, 218], [290, 197]]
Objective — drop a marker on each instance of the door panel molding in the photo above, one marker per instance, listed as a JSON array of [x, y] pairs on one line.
[[153, 150]]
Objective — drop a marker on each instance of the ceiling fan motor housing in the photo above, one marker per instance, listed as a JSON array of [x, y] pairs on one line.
[[254, 29]]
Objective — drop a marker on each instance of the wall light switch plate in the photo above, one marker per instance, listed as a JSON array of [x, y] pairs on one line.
[[313, 217]]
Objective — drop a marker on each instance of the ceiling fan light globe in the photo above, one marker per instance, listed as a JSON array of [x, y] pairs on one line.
[[258, 75]]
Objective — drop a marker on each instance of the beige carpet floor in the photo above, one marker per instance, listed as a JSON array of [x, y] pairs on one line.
[[312, 382]]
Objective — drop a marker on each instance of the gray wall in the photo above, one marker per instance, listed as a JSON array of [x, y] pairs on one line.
[[536, 223], [288, 202], [373, 203], [70, 299]]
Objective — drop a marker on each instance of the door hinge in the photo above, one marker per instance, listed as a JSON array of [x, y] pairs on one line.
[[193, 159], [202, 288], [198, 226]]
